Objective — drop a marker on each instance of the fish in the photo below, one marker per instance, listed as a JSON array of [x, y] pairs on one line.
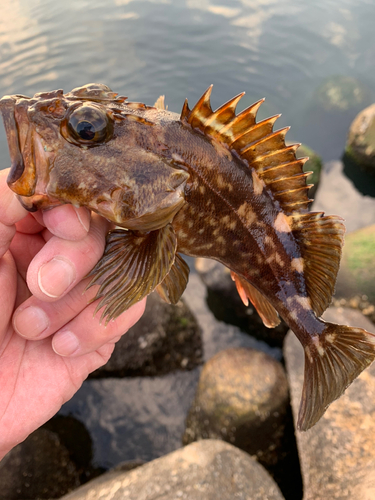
[[204, 183]]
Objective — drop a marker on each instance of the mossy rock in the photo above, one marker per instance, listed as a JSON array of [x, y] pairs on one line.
[[360, 145], [341, 93], [357, 273], [314, 165]]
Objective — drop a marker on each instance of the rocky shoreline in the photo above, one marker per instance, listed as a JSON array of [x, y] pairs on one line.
[[207, 375]]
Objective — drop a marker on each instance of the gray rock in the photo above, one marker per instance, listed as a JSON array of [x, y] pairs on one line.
[[40, 467], [242, 397], [226, 305], [207, 470], [138, 418], [338, 454], [338, 195], [217, 335], [360, 144], [166, 338]]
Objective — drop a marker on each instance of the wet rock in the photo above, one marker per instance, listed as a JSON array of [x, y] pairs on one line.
[[40, 467], [338, 195], [74, 436], [226, 305], [357, 270], [140, 418], [206, 470], [341, 93], [361, 139], [338, 454], [166, 338], [314, 165], [242, 397]]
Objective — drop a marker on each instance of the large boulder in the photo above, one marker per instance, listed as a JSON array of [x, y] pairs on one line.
[[242, 397], [338, 195], [361, 139], [206, 470], [337, 454]]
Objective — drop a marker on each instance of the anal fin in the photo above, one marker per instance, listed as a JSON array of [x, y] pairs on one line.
[[248, 292], [132, 266]]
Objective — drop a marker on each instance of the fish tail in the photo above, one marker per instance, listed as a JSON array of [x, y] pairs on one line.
[[333, 360]]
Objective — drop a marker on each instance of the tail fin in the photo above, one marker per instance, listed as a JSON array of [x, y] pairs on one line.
[[332, 361]]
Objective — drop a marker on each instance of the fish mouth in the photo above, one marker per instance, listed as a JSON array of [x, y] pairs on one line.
[[7, 109], [29, 172]]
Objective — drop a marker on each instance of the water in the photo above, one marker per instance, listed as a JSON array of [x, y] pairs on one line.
[[283, 50]]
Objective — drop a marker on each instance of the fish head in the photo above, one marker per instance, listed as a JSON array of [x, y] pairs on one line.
[[90, 148]]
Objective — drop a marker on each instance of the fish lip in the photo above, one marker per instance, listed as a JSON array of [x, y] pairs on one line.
[[7, 110]]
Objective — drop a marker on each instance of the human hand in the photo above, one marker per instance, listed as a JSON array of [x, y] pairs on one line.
[[49, 339]]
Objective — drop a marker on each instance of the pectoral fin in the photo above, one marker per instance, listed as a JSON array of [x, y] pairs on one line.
[[132, 266], [265, 310]]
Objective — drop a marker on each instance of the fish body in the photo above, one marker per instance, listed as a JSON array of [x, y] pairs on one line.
[[205, 183]]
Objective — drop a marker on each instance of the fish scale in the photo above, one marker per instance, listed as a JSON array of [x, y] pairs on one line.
[[205, 183]]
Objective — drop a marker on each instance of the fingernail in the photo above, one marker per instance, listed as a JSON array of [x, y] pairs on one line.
[[56, 276], [65, 343], [31, 322], [83, 217]]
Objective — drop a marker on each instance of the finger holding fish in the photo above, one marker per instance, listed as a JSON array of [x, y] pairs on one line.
[[71, 321], [61, 264]]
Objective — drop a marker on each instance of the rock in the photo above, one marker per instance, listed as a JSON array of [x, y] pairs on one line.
[[338, 195], [242, 397], [166, 338], [357, 270], [40, 467], [206, 470], [74, 436], [140, 418], [314, 165], [226, 305], [341, 93], [338, 454], [360, 144]]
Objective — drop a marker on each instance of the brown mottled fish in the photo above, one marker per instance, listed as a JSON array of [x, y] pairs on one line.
[[207, 183]]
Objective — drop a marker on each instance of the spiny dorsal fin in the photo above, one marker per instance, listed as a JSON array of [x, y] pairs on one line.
[[160, 103], [263, 149], [320, 239], [247, 292]]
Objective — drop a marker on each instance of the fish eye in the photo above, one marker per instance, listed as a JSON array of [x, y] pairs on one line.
[[88, 125]]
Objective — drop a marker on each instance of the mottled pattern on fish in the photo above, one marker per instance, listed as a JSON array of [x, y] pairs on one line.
[[207, 183]]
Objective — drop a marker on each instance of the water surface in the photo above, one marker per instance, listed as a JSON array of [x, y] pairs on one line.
[[283, 50]]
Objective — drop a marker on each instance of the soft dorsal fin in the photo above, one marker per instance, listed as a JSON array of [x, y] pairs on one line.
[[263, 149], [320, 239], [132, 266], [248, 292]]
